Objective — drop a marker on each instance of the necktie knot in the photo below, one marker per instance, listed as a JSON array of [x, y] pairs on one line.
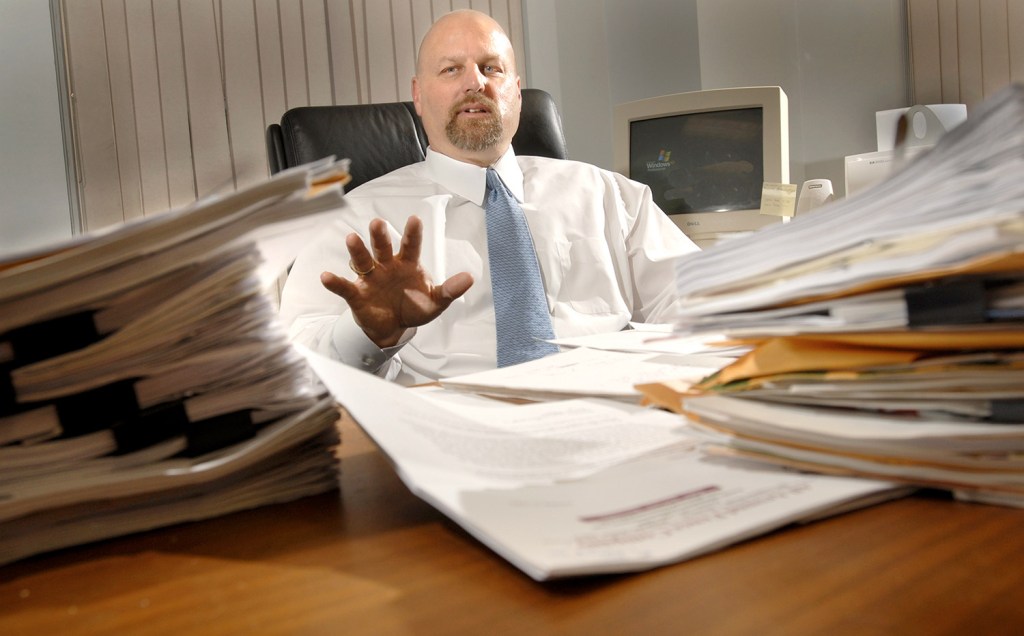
[[521, 314]]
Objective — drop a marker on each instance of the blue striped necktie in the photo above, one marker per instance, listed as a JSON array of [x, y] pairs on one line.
[[520, 304]]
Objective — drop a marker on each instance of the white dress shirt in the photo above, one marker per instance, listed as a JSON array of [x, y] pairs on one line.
[[606, 254]]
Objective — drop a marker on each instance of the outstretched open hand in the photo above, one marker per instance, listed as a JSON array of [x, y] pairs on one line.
[[392, 292]]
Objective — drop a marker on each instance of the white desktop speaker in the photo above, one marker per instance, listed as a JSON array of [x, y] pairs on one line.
[[813, 193]]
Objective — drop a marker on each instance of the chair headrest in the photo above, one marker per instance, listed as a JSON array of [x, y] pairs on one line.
[[540, 127], [379, 138]]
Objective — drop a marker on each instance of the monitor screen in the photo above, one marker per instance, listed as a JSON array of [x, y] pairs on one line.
[[700, 162], [706, 155]]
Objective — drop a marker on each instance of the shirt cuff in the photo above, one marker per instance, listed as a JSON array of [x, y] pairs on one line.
[[354, 348]]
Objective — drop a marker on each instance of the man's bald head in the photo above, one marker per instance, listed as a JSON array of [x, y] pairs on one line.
[[466, 88]]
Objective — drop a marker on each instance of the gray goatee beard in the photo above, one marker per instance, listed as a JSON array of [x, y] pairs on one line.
[[477, 134]]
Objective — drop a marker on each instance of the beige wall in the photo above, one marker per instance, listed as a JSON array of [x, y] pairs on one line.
[[34, 195], [839, 61]]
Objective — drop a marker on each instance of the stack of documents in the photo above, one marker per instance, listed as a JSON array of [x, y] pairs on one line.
[[888, 328], [144, 379]]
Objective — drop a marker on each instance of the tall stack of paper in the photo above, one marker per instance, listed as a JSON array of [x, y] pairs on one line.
[[144, 379], [888, 328]]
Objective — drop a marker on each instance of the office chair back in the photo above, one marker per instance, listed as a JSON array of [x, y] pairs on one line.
[[379, 138]]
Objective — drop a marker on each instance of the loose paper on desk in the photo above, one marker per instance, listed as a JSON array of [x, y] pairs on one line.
[[580, 486], [586, 372], [493, 444], [646, 338]]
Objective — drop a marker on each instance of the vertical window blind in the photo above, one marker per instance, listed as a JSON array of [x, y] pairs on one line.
[[962, 51], [170, 99]]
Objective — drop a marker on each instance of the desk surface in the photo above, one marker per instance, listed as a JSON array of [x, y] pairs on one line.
[[378, 560]]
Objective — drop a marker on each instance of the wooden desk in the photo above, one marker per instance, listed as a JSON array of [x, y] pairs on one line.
[[377, 560]]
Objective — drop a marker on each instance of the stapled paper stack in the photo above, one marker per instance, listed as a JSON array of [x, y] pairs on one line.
[[888, 328], [144, 379]]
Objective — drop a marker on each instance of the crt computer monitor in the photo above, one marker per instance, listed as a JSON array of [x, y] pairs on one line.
[[706, 155]]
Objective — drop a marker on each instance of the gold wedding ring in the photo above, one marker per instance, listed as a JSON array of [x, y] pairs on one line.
[[352, 266]]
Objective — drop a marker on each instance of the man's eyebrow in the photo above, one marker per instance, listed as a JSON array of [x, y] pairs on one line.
[[449, 60]]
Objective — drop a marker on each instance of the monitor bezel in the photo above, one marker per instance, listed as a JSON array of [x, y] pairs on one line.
[[707, 227]]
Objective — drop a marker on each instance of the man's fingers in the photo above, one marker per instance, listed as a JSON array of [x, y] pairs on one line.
[[454, 287], [338, 285], [412, 239], [432, 304], [360, 259], [380, 239]]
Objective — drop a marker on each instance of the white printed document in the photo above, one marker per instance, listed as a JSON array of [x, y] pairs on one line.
[[582, 486], [584, 372], [654, 338]]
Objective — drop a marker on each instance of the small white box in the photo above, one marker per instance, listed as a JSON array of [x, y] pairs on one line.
[[872, 167], [886, 122]]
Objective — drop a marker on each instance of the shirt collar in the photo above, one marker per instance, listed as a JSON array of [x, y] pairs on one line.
[[469, 181]]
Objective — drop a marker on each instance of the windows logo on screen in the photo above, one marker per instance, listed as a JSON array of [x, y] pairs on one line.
[[664, 161]]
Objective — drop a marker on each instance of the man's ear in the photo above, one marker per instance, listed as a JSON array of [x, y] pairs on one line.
[[416, 96]]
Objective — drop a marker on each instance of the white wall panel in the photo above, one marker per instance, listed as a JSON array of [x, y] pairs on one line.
[[211, 154], [345, 53], [145, 88], [317, 53], [380, 48], [242, 91], [1015, 16], [181, 179], [924, 33], [948, 56], [270, 60], [126, 141], [405, 47], [96, 153], [293, 53], [995, 46], [968, 44]]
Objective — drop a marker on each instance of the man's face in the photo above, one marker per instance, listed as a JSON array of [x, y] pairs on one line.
[[466, 89]]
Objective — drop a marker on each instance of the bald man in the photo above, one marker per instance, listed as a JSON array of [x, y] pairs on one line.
[[606, 252]]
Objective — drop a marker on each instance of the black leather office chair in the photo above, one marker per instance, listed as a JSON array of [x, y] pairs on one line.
[[379, 138]]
